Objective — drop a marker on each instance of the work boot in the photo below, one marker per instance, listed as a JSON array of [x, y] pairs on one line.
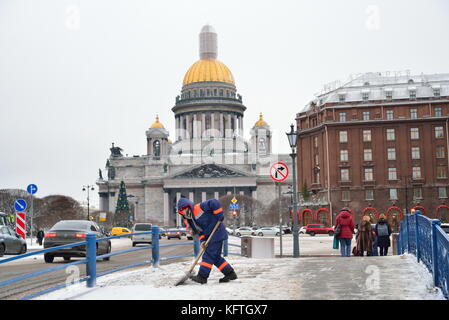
[[229, 275], [200, 278]]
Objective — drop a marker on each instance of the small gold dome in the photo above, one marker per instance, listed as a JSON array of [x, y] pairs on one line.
[[261, 121], [157, 124], [208, 70]]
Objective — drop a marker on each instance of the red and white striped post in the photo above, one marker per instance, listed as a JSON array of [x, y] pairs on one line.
[[21, 224]]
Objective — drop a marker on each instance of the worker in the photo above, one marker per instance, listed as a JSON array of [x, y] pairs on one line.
[[202, 218]]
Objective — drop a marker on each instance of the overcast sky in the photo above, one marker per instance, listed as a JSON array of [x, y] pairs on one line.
[[77, 75]]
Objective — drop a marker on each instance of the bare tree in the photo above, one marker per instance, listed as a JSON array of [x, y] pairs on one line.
[[249, 209]]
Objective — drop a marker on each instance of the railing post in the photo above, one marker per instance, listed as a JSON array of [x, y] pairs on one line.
[[418, 251], [196, 245], [91, 254], [155, 244], [408, 231], [225, 248], [435, 223]]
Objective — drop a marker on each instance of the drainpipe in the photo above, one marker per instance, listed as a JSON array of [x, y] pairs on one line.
[[328, 178]]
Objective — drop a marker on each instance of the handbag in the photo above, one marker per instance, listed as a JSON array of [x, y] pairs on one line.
[[337, 230], [336, 243]]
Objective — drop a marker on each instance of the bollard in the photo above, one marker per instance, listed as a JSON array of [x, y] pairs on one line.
[[435, 223], [225, 248], [91, 254], [196, 245], [155, 244]]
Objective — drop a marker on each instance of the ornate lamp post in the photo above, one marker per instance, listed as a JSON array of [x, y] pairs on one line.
[[292, 138], [87, 188]]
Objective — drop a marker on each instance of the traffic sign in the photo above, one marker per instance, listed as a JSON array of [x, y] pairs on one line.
[[20, 224], [234, 206], [32, 188], [279, 171], [234, 200], [20, 205]]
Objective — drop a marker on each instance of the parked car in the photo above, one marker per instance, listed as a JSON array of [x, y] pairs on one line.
[[118, 231], [3, 219], [173, 233], [313, 229], [445, 227], [243, 231], [162, 232], [229, 230], [183, 231], [287, 229], [71, 231], [11, 242], [267, 231], [142, 238], [302, 230]]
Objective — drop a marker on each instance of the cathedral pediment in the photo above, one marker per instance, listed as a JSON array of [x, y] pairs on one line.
[[210, 171]]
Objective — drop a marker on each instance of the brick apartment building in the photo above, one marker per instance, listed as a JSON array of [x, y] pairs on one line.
[[377, 144]]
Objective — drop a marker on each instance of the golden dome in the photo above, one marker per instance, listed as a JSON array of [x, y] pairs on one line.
[[157, 124], [208, 70], [261, 121]]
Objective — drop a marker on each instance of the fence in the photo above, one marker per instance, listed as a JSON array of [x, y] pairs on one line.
[[424, 238], [91, 258]]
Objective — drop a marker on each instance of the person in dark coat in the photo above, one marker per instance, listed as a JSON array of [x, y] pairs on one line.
[[364, 237], [383, 232], [40, 236], [346, 223], [202, 218]]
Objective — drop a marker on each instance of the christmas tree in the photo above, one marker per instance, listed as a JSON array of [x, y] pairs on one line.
[[122, 208]]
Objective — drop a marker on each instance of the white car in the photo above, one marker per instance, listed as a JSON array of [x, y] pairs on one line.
[[267, 231], [142, 238], [243, 231], [302, 230]]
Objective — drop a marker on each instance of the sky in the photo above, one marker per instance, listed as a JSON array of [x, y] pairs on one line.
[[77, 75]]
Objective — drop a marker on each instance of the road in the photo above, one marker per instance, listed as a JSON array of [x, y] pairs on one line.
[[35, 263]]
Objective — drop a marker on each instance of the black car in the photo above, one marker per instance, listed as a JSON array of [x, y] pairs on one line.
[[11, 242], [71, 231]]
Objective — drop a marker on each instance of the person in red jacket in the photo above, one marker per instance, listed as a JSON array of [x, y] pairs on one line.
[[346, 223]]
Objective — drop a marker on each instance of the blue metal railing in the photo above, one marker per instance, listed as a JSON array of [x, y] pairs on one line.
[[424, 238], [91, 258]]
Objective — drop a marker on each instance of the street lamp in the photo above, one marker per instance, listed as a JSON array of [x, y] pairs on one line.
[[292, 139], [87, 188]]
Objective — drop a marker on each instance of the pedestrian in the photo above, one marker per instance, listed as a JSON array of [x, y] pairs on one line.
[[364, 237], [345, 224], [375, 251], [40, 236], [202, 218], [383, 232]]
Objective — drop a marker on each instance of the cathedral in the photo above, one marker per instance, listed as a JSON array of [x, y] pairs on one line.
[[209, 157]]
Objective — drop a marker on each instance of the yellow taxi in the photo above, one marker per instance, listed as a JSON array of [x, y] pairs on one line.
[[117, 231]]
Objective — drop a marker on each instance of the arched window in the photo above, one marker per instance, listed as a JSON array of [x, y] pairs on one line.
[[157, 148]]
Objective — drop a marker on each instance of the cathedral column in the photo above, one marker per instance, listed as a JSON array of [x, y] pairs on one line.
[[222, 131], [216, 195], [188, 126], [254, 194], [212, 125], [195, 126], [203, 125], [236, 125], [192, 196], [166, 209], [228, 127], [178, 216], [203, 196]]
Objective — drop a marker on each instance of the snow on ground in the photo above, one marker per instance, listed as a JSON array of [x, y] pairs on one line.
[[393, 277]]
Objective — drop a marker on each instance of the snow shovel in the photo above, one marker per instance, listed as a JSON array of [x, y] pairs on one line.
[[189, 273]]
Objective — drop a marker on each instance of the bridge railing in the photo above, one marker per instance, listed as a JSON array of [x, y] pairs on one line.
[[91, 259], [424, 238]]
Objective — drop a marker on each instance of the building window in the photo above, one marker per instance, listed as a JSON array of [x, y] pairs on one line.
[[439, 133], [369, 194], [393, 194], [414, 133], [416, 173], [341, 97], [343, 136], [391, 153], [367, 154], [440, 152], [369, 174], [412, 94], [344, 174], [215, 92], [441, 172], [389, 94], [436, 92], [345, 195], [390, 135], [414, 113], [367, 135], [392, 174], [415, 153], [390, 115], [365, 115], [438, 112], [195, 93], [417, 193], [365, 95], [344, 155], [201, 93], [442, 192], [342, 116], [221, 93], [208, 92]]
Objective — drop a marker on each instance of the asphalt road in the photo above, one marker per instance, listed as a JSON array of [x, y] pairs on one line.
[[28, 286]]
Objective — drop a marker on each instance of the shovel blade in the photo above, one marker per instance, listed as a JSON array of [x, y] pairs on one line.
[[183, 279]]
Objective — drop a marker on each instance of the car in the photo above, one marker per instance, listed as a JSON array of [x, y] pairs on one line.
[[445, 227], [162, 232], [11, 242], [118, 231], [173, 233], [183, 231], [287, 229], [229, 230], [243, 231], [142, 238], [71, 231], [268, 231], [302, 230], [316, 228], [189, 234], [3, 219]]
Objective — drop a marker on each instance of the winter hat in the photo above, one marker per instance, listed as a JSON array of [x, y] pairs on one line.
[[382, 216], [366, 218]]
